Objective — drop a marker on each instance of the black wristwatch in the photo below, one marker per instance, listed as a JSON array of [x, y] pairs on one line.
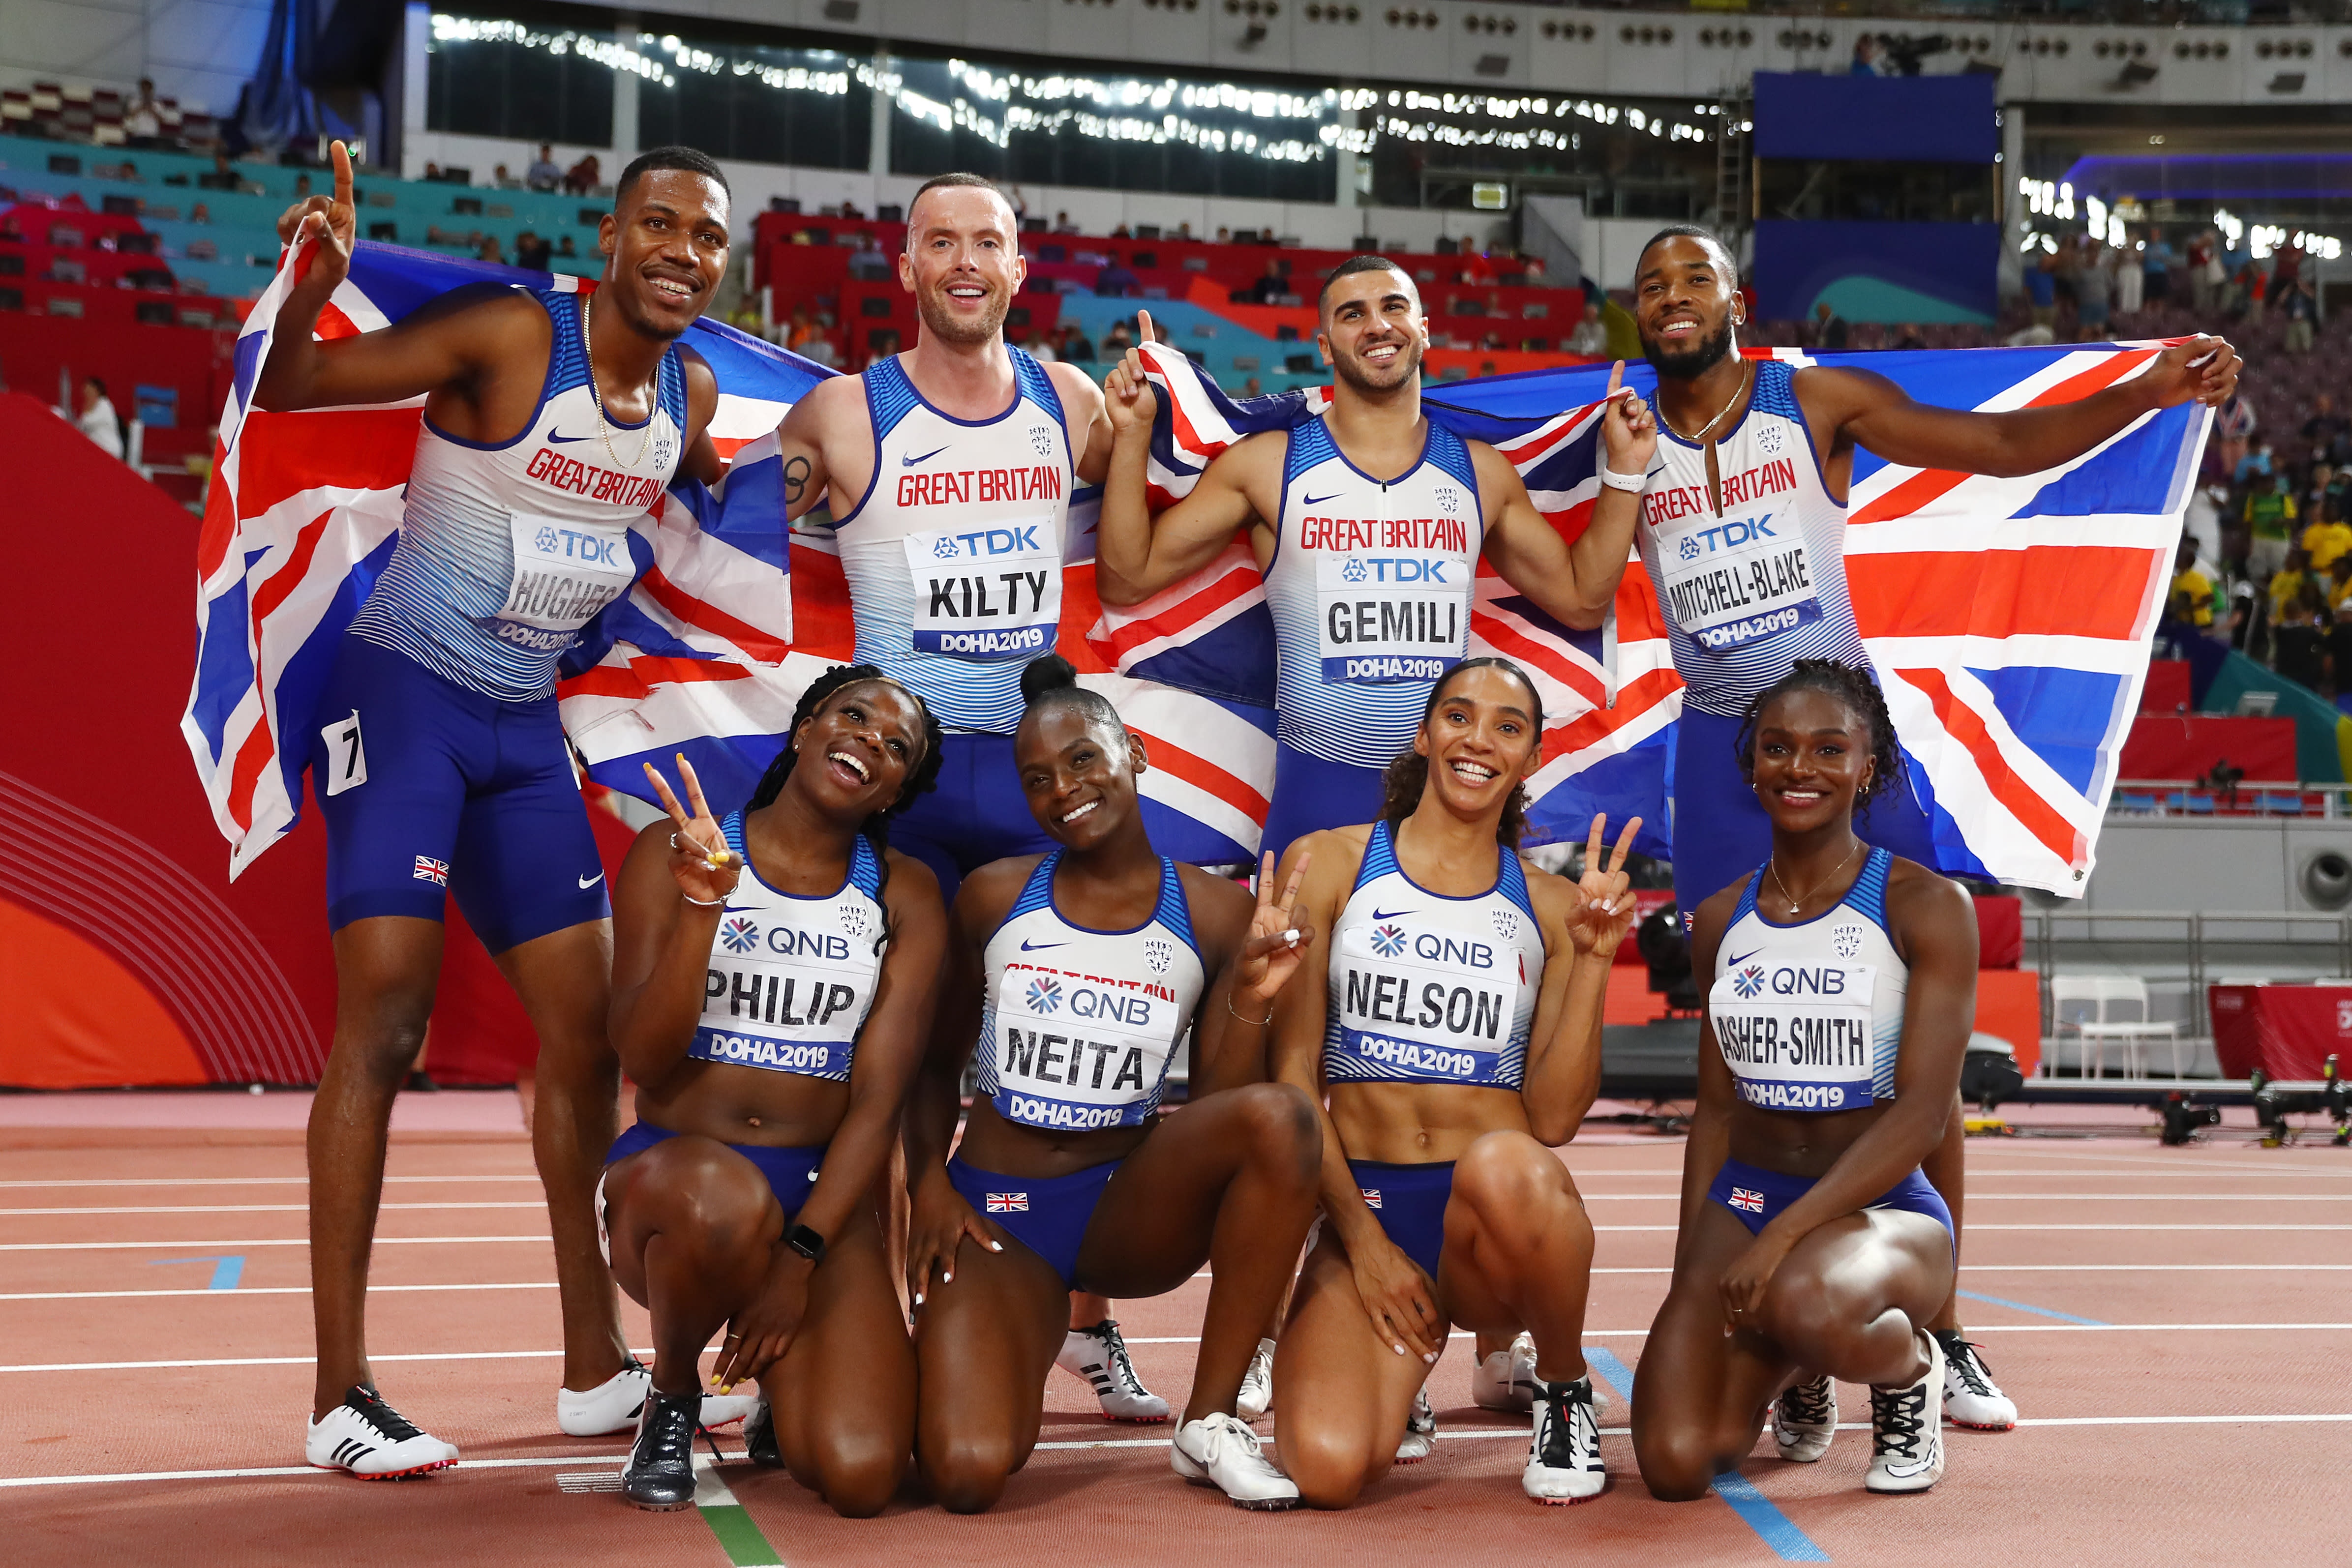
[[806, 1242]]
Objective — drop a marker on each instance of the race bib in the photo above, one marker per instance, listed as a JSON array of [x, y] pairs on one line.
[[783, 999], [1738, 580], [990, 592], [1429, 1005], [1796, 1036], [1079, 1053], [1380, 617], [564, 573]]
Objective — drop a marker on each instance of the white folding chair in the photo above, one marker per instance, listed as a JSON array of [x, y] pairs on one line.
[[2123, 1017]]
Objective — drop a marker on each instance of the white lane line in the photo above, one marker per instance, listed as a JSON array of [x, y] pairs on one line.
[[267, 1208], [1131, 1339], [2181, 1163], [276, 1241], [295, 1472], [245, 1181], [271, 1290]]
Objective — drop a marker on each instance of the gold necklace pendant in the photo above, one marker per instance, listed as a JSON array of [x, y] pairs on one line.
[[603, 428]]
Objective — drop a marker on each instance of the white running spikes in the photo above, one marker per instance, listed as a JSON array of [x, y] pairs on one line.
[[1971, 1398], [1098, 1355], [1506, 1381], [612, 1404], [1907, 1437], [368, 1438], [1420, 1431], [1257, 1384], [1804, 1419], [1564, 1462], [1218, 1450]]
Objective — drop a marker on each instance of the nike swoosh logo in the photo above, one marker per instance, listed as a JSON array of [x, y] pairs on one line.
[[566, 440], [738, 908], [1735, 963], [1388, 914], [1029, 947], [907, 462], [588, 882], [1318, 501]]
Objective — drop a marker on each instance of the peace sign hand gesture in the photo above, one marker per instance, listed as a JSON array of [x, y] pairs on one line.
[[706, 869], [1278, 936], [1605, 903]]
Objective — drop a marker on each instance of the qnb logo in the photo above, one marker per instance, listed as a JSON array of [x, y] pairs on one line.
[[569, 544], [738, 935], [1749, 981], [1388, 941], [1046, 995], [1726, 536]]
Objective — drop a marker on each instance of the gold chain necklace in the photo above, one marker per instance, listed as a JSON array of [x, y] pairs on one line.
[[1794, 902], [603, 429], [1746, 376]]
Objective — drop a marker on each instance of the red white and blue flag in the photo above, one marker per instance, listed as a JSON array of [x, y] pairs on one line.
[[2009, 619], [1008, 1203], [1749, 1198]]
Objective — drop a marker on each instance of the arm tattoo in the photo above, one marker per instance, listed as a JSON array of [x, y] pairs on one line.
[[796, 473]]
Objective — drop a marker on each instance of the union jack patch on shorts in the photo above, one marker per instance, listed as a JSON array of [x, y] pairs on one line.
[[1008, 1203], [1747, 1199], [1372, 1196], [432, 871]]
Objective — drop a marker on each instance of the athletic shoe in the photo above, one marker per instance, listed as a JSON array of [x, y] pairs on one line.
[[1804, 1419], [612, 1404], [1100, 1355], [1971, 1398], [1219, 1451], [368, 1438], [1257, 1384], [1506, 1381], [1564, 1454], [759, 1438], [1906, 1439], [659, 1475], [1420, 1431]]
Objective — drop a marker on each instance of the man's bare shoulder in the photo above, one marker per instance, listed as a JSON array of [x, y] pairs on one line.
[[1077, 388], [834, 409]]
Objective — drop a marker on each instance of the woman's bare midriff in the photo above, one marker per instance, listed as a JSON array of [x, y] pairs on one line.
[[746, 1105], [993, 1144], [1798, 1145], [1420, 1124]]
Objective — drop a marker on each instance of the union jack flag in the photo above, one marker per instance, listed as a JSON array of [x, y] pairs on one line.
[[433, 871], [1747, 1199], [1372, 1196], [2008, 619], [1008, 1203]]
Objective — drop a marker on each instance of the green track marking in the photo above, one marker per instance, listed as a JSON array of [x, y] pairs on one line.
[[739, 1537]]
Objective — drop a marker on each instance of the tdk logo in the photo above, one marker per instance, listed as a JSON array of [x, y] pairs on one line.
[[1724, 536], [572, 545], [1397, 568], [989, 541]]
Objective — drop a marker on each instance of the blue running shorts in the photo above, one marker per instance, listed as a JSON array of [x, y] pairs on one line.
[[1410, 1203], [978, 813], [790, 1171], [1048, 1214], [452, 794], [1311, 794], [1721, 833], [1754, 1196]]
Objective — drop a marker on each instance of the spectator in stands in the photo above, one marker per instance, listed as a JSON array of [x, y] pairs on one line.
[[1062, 226], [532, 252], [224, 178], [98, 421], [490, 251], [544, 173], [1120, 231], [1591, 338], [2233, 427], [2293, 299], [1076, 349], [1038, 349], [302, 185], [868, 263], [851, 211], [2093, 291], [1907, 337], [2128, 279], [1253, 388], [798, 330], [584, 177], [566, 249], [142, 118], [2189, 599], [2335, 586], [2299, 638], [1273, 285], [199, 213], [502, 180], [2203, 259], [1830, 330], [880, 345], [2339, 650], [1224, 235], [2156, 260], [2328, 432], [1115, 281], [1869, 59], [2042, 293], [2288, 580], [1184, 230], [1118, 341], [2327, 537], [2247, 290], [2259, 461], [2270, 515]]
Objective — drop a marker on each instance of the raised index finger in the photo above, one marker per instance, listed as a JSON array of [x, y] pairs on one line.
[[1144, 331], [1616, 377], [342, 160]]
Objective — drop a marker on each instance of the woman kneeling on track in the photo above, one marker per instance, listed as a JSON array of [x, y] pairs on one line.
[[772, 981], [1078, 973], [1811, 1248], [1459, 1043]]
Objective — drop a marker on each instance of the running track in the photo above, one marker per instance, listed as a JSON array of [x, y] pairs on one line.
[[2174, 1324]]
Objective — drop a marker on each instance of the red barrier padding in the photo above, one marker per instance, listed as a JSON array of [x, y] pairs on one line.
[[2165, 691], [2288, 1031], [2168, 745], [2001, 931]]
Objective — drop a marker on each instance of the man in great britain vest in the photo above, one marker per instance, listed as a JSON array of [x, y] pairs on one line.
[[949, 469], [552, 421], [1370, 580], [1744, 539]]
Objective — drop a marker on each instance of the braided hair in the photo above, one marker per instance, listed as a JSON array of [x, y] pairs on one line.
[[1405, 779], [920, 779], [1851, 685]]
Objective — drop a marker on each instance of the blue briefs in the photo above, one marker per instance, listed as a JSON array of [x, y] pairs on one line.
[[1410, 1203], [1754, 1196], [790, 1171], [978, 813], [1048, 1214], [1311, 794]]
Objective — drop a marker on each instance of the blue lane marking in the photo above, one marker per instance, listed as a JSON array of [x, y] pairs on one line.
[[1615, 1373], [1778, 1530], [227, 1271], [2022, 1307]]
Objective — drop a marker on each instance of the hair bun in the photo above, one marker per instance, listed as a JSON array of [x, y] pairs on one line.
[[1047, 673]]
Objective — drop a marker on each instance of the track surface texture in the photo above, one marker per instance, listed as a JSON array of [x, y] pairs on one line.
[[2172, 1322]]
